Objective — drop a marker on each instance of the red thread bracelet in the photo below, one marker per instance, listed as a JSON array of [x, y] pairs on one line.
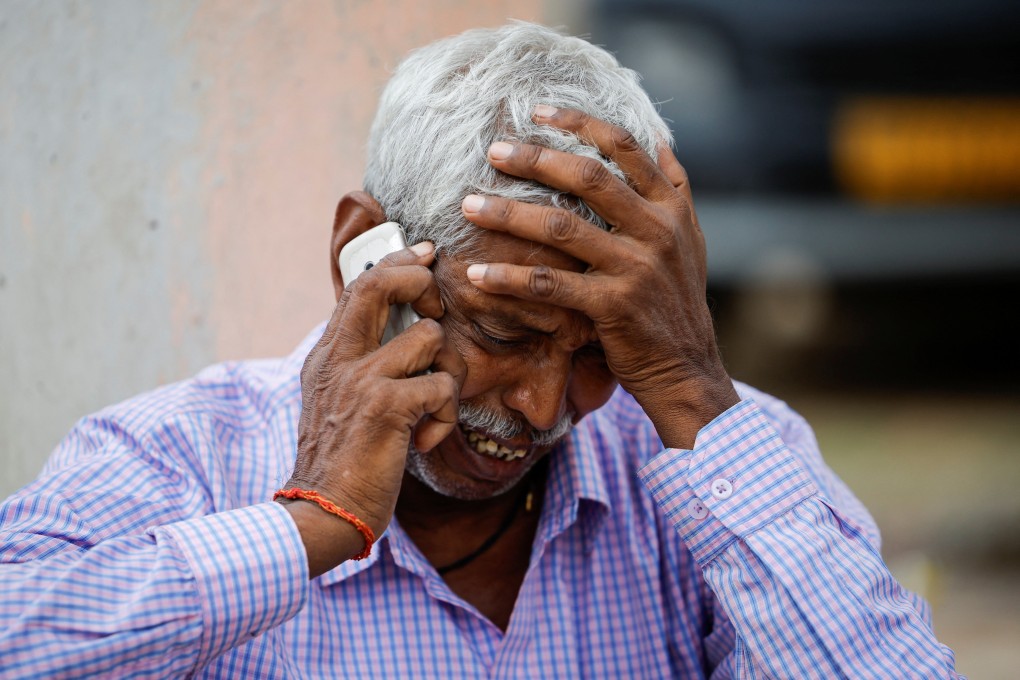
[[334, 509]]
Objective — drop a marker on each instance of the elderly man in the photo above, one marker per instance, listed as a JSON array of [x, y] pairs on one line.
[[549, 475]]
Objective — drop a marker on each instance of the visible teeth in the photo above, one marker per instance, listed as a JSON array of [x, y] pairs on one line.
[[483, 444]]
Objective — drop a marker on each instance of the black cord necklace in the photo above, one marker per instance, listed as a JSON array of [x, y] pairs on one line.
[[528, 501]]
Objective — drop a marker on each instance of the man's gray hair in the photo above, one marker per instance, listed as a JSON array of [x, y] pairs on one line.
[[448, 101]]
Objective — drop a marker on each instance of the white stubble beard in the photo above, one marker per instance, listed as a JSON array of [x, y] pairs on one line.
[[427, 469]]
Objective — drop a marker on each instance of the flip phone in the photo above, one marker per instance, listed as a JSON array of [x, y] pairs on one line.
[[364, 252]]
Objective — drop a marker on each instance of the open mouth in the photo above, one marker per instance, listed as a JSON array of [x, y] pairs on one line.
[[490, 447]]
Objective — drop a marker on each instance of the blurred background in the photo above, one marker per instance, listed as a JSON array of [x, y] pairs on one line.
[[169, 172]]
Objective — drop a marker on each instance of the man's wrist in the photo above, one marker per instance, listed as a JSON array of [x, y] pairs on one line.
[[680, 409], [328, 540]]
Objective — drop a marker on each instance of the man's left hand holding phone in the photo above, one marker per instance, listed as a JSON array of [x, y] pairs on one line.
[[367, 390]]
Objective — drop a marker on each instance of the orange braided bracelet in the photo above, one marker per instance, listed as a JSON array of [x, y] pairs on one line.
[[332, 508]]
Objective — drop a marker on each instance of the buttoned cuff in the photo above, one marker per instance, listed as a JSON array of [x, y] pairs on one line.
[[250, 570], [739, 477]]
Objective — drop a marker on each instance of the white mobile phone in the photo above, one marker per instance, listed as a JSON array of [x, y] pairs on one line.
[[364, 252]]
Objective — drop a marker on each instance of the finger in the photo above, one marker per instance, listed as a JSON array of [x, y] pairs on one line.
[[439, 395], [372, 293], [587, 178], [613, 142], [421, 254], [422, 346], [410, 352], [555, 227], [541, 284], [430, 302], [674, 172], [677, 174], [449, 360]]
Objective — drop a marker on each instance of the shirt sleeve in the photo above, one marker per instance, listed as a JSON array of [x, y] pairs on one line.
[[791, 558], [102, 576]]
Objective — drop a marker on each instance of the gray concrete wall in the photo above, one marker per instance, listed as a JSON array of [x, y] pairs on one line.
[[169, 173]]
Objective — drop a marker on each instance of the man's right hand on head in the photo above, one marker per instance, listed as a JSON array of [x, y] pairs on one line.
[[362, 403]]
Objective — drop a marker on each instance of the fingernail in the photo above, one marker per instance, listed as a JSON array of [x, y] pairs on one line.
[[476, 272], [544, 111], [422, 249], [500, 150], [472, 203]]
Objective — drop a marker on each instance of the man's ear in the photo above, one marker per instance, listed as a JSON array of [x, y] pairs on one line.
[[356, 213]]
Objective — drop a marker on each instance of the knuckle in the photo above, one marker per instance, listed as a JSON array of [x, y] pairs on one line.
[[447, 383], [424, 340], [347, 339], [431, 329], [505, 210], [644, 265], [393, 258], [560, 226], [580, 119], [309, 369], [593, 175], [318, 366], [623, 140], [542, 281], [680, 179], [612, 299], [684, 210], [419, 272], [367, 284], [530, 155], [378, 402]]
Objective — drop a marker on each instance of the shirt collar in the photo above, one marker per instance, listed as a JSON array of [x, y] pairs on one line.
[[576, 490]]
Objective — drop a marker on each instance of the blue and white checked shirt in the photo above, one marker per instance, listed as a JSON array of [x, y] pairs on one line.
[[148, 548]]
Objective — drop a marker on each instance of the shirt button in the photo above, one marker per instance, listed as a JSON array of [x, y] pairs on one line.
[[722, 489], [697, 509]]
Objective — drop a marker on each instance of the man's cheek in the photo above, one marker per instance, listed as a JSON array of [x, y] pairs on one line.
[[487, 374], [591, 386]]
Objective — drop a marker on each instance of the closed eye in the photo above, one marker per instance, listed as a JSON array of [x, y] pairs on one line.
[[496, 341]]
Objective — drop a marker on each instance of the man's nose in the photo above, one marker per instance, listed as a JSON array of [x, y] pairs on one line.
[[540, 394]]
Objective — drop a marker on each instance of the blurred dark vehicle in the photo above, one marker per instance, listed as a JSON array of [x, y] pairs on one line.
[[856, 165], [756, 91]]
